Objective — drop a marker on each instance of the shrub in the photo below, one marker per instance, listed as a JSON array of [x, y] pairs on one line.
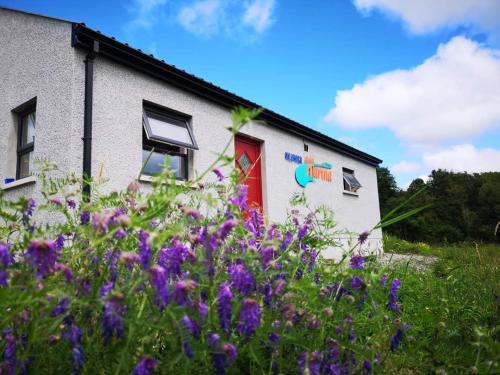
[[184, 278]]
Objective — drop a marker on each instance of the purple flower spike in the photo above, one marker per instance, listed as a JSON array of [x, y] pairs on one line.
[[249, 318], [71, 203], [315, 363], [240, 198], [302, 231], [224, 305], [398, 337], [213, 339], [84, 217], [357, 262], [182, 290], [146, 366], [367, 367], [9, 353], [112, 319], [158, 277], [363, 236], [226, 228], [356, 282], [61, 307], [255, 222], [219, 174], [241, 278], [230, 351], [5, 257], [383, 280], [144, 249], [393, 295], [42, 255], [191, 326], [30, 207]]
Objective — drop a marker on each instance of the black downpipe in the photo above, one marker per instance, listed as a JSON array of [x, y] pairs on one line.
[[87, 120]]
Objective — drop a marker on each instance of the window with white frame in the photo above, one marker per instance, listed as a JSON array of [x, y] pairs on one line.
[[351, 183], [166, 134], [26, 123]]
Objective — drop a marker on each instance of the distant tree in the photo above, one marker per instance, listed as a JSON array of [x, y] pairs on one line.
[[387, 188]]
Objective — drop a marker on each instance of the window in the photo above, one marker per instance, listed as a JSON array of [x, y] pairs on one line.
[[167, 134], [26, 122], [351, 183]]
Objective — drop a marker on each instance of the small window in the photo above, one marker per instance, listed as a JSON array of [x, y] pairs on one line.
[[167, 134], [26, 123], [351, 183], [169, 127]]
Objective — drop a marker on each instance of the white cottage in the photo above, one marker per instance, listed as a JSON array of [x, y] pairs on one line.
[[95, 105]]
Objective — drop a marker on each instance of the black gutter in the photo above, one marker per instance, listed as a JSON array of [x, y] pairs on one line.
[[84, 37], [87, 118]]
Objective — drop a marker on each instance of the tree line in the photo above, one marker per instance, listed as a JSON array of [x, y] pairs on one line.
[[461, 206]]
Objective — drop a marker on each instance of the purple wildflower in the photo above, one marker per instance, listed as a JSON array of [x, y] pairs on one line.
[[3, 278], [144, 249], [42, 255], [302, 231], [181, 291], [267, 255], [73, 335], [28, 211], [9, 352], [357, 262], [230, 351], [158, 277], [84, 217], [224, 299], [249, 318], [202, 308], [5, 257], [120, 233], [274, 337], [129, 258], [112, 322], [146, 366], [255, 222], [398, 337], [241, 278], [213, 339], [191, 326], [363, 236], [61, 307], [267, 292], [301, 362], [219, 362], [383, 280], [101, 221], [226, 228], [219, 174], [393, 295], [78, 358], [60, 241], [172, 257], [240, 198], [315, 363], [356, 282], [287, 240], [104, 290], [367, 367], [187, 349], [56, 202], [71, 203]]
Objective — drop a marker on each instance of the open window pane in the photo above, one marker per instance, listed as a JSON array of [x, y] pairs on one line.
[[352, 181], [28, 129], [168, 129], [155, 164], [25, 165]]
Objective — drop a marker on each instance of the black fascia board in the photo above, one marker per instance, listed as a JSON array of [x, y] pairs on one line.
[[84, 37]]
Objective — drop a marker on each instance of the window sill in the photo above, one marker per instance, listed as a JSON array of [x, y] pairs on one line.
[[18, 183], [346, 192], [148, 179]]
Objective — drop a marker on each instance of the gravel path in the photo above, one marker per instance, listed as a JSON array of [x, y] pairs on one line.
[[419, 262]]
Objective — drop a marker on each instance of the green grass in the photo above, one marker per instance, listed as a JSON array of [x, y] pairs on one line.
[[453, 307]]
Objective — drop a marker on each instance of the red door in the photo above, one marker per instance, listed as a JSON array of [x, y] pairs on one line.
[[248, 162]]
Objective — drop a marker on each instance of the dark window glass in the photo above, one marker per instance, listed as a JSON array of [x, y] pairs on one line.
[[351, 183], [154, 166], [26, 141]]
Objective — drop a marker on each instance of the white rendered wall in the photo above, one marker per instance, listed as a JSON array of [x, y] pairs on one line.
[[37, 60], [117, 149]]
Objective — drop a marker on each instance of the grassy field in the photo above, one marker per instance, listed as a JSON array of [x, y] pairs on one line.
[[453, 307]]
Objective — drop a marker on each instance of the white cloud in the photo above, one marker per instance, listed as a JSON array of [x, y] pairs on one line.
[[234, 18], [202, 17], [258, 15], [453, 95], [144, 13], [464, 157], [405, 167], [424, 16]]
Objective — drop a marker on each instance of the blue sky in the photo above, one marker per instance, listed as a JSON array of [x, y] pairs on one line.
[[416, 84]]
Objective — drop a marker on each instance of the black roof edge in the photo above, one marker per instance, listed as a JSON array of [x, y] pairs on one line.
[[83, 37]]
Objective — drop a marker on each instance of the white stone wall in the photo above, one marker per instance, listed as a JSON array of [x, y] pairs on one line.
[[117, 148], [37, 60]]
